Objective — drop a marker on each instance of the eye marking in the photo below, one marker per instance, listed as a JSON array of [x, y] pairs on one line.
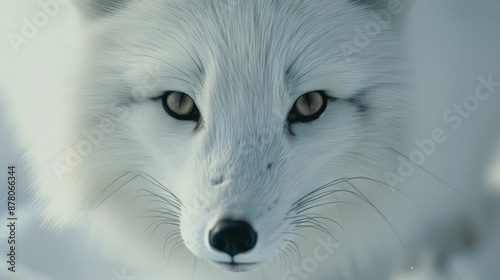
[[308, 107], [359, 101], [180, 106]]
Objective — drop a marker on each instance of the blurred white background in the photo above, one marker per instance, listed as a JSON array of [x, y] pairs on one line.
[[452, 43]]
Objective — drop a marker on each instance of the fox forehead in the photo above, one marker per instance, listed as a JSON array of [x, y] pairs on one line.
[[251, 45]]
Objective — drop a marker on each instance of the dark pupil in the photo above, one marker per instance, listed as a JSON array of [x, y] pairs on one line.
[[179, 101], [312, 102], [179, 98], [308, 100]]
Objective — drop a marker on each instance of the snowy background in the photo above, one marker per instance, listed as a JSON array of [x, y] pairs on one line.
[[453, 42]]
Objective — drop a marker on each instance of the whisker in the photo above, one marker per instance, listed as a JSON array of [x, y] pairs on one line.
[[314, 226], [162, 198], [313, 199], [295, 233], [319, 217], [432, 175], [282, 259], [194, 266], [261, 270], [173, 246], [299, 210], [289, 250], [295, 248], [151, 179], [137, 196], [110, 185], [319, 189], [308, 197], [161, 213], [178, 245], [159, 223], [381, 214]]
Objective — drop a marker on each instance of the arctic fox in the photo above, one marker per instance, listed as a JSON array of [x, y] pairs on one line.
[[235, 133]]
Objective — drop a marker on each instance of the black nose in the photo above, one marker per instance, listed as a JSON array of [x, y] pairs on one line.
[[232, 237]]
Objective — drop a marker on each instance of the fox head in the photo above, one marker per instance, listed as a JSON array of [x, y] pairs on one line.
[[226, 124]]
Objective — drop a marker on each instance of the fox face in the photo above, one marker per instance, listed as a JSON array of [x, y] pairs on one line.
[[225, 123]]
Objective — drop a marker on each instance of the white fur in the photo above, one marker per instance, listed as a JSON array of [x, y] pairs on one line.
[[243, 49]]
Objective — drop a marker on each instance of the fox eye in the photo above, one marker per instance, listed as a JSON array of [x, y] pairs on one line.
[[180, 106], [308, 107]]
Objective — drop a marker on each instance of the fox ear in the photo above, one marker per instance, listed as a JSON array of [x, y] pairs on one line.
[[99, 8]]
